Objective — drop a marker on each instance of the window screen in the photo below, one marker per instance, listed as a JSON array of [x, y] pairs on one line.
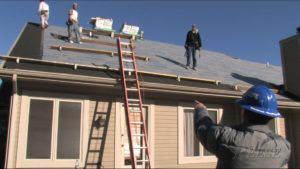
[[68, 139], [191, 143], [39, 129]]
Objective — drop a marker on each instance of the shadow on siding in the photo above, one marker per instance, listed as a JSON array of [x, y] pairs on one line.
[[97, 136]]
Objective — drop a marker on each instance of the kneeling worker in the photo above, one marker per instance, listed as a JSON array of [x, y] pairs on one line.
[[251, 144]]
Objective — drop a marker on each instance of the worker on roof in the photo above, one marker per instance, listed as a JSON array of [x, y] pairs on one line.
[[251, 144], [44, 13], [192, 43], [73, 24]]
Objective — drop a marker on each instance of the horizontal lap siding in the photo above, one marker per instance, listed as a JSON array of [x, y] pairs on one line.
[[281, 126], [166, 133], [282, 123], [100, 152]]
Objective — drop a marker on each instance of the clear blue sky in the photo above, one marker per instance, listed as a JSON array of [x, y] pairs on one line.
[[249, 30]]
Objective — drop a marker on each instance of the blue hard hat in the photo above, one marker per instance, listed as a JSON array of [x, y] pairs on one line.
[[261, 100]]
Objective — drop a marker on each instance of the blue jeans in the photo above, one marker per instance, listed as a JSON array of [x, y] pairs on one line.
[[191, 52], [74, 28]]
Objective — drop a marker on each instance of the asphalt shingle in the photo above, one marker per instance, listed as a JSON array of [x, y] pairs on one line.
[[166, 58]]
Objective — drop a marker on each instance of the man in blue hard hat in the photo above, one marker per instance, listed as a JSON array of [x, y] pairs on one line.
[[251, 144]]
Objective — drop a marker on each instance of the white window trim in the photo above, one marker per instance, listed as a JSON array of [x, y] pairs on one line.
[[21, 161], [197, 159], [277, 126], [118, 139]]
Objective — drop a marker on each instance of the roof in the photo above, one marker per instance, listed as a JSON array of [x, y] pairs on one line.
[[164, 58]]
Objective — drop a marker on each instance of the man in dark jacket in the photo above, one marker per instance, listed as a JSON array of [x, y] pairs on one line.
[[192, 43], [251, 144]]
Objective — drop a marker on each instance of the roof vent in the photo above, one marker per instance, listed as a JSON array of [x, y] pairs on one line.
[[268, 65]]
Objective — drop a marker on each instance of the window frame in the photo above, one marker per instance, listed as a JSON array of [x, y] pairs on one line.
[[196, 159], [118, 139], [22, 161]]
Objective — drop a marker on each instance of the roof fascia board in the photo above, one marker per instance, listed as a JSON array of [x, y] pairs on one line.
[[191, 89], [81, 79], [109, 82], [76, 66], [56, 76]]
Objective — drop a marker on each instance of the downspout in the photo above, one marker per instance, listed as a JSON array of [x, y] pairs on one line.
[[12, 101]]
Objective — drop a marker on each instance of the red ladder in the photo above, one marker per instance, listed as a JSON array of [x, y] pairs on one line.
[[133, 104]]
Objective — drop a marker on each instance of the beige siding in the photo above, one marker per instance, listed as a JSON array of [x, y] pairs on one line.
[[281, 126], [101, 142], [166, 135], [101, 138]]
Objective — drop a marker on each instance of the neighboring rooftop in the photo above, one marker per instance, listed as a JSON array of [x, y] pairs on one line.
[[164, 58]]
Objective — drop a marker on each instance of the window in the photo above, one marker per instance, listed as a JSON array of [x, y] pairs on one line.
[[52, 131], [190, 149], [39, 129]]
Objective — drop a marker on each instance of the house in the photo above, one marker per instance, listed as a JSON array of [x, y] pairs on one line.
[[66, 111]]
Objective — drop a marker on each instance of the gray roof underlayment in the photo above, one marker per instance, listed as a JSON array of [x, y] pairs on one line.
[[165, 58]]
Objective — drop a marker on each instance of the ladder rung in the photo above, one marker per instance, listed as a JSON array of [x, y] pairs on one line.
[[133, 105], [132, 89], [125, 43], [139, 147], [131, 80], [142, 160], [135, 111], [127, 52], [139, 135], [98, 138], [129, 70], [137, 123], [128, 60], [133, 100]]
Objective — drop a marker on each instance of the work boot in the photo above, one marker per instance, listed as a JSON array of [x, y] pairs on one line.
[[187, 66]]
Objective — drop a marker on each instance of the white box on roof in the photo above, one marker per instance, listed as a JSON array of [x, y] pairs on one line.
[[102, 23], [130, 29]]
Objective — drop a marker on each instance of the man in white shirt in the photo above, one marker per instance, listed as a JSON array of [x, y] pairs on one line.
[[44, 13], [73, 24]]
